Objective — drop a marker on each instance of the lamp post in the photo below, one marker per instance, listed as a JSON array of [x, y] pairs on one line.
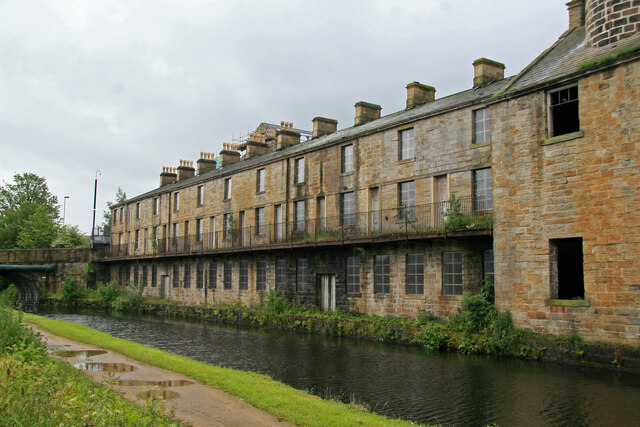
[[95, 195], [64, 209]]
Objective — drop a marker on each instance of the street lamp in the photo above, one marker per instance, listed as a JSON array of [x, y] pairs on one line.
[[95, 195], [64, 208]]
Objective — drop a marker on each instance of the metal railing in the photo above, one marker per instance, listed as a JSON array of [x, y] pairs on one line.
[[396, 223]]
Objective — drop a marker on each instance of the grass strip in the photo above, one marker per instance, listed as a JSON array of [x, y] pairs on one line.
[[259, 390]]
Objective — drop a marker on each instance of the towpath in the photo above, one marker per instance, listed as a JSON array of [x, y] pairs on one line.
[[187, 400]]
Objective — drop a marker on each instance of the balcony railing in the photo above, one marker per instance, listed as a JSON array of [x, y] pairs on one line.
[[399, 222]]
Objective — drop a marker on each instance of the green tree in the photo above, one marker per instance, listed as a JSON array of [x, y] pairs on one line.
[[27, 196], [69, 236], [121, 196]]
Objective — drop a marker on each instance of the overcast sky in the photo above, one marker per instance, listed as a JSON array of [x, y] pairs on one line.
[[126, 87]]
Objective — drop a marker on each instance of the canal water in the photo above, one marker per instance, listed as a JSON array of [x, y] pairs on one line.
[[398, 381]]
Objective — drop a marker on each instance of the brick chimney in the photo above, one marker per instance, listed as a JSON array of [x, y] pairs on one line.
[[206, 163], [286, 136], [486, 71], [607, 22], [229, 154], [366, 112], [256, 145], [419, 94], [576, 13], [168, 176], [323, 126], [185, 170]]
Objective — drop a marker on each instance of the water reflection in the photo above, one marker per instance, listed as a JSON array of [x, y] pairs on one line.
[[398, 381]]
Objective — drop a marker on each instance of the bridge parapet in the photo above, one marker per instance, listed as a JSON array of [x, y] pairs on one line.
[[44, 256]]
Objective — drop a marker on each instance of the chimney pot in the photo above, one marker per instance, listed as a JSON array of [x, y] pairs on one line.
[[286, 136], [167, 176], [487, 71], [419, 94], [366, 112]]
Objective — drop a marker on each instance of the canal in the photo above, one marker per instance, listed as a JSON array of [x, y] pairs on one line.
[[398, 381]]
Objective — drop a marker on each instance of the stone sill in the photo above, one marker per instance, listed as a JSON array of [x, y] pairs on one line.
[[563, 138], [481, 144], [348, 173], [403, 161], [568, 302], [261, 192]]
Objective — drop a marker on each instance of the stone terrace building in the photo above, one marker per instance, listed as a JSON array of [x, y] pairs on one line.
[[407, 212]]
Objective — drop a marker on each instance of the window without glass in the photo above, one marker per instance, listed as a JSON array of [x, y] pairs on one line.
[[199, 230], [563, 111], [187, 276], [260, 221], [244, 275], [145, 275], [176, 276], [227, 188], [199, 275], [348, 209], [228, 271], [415, 273], [299, 215], [405, 144], [406, 199], [115, 216], [301, 274], [138, 210], [482, 190], [260, 176], [481, 126], [353, 275], [487, 266], [137, 241], [567, 268], [154, 276], [452, 273], [281, 275], [300, 170], [382, 274], [174, 234], [213, 275], [121, 215], [135, 275], [278, 221], [176, 201], [155, 204], [347, 159], [200, 195], [228, 226], [261, 275]]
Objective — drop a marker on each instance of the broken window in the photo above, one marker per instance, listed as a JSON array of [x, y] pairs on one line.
[[154, 276], [566, 268], [563, 111]]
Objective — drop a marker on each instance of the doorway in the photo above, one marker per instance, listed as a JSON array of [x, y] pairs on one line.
[[328, 292]]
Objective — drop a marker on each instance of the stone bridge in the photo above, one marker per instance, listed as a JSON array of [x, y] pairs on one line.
[[36, 271]]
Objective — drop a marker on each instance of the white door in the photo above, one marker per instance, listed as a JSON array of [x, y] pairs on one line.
[[328, 292]]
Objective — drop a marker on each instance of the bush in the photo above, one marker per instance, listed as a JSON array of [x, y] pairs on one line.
[[72, 289], [108, 292], [432, 336], [14, 338], [278, 304], [9, 296]]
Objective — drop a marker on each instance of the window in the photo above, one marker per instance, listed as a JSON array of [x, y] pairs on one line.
[[353, 275], [135, 275], [213, 275], [200, 195], [176, 275], [138, 210], [300, 170], [244, 275], [176, 201], [155, 205], [281, 275], [482, 190], [487, 266], [121, 215], [154, 276], [299, 212], [115, 216], [121, 276], [227, 188], [228, 226], [347, 159], [405, 145], [260, 221], [137, 241], [199, 275], [174, 234], [481, 126], [566, 265], [321, 213], [199, 230], [452, 273], [261, 275], [347, 209], [415, 273], [301, 274], [187, 276], [278, 221], [228, 271], [406, 199], [260, 186], [145, 275], [382, 274], [563, 111]]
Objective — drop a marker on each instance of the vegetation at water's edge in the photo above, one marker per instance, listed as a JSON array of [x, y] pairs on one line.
[[36, 390], [259, 390]]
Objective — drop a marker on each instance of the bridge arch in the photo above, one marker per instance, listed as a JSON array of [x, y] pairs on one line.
[[28, 279]]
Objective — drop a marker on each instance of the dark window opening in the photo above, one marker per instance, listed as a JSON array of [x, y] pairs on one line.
[[244, 275], [154, 276], [213, 275], [382, 274], [228, 268], [199, 275], [187, 276], [176, 276], [281, 275], [567, 274], [302, 273], [563, 111], [261, 276]]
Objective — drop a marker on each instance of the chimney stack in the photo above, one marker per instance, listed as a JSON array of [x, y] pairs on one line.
[[229, 154], [186, 169], [168, 176], [323, 126], [286, 136], [366, 112], [419, 94], [256, 145], [608, 22], [206, 163], [576, 13], [487, 71]]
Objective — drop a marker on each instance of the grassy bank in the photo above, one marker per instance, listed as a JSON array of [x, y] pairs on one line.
[[36, 390], [261, 391]]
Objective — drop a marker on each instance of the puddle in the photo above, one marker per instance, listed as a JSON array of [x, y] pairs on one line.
[[106, 367], [79, 353], [168, 383], [158, 394]]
